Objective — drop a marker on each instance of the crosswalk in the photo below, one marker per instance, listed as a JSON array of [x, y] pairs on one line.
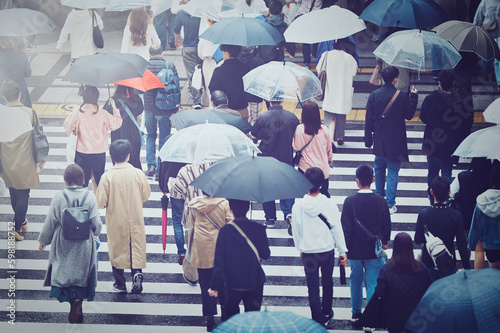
[[167, 302]]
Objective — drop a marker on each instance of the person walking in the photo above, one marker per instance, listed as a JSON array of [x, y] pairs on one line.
[[249, 57], [307, 6], [72, 269], [207, 216], [340, 68], [139, 34], [130, 106], [385, 130], [15, 66], [91, 126], [19, 168], [364, 212], [122, 191], [316, 232], [487, 16], [318, 152]]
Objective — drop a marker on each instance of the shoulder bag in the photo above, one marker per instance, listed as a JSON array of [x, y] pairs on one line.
[[386, 110], [248, 241], [40, 142], [141, 133], [298, 154], [368, 236], [96, 32], [215, 224]]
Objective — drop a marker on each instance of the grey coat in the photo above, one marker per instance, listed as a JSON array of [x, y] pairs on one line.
[[71, 262]]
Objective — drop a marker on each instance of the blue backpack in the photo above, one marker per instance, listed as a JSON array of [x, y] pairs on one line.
[[168, 98]]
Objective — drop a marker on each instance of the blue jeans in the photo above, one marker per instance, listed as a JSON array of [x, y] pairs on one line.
[[177, 206], [381, 164], [160, 22], [486, 67], [435, 164], [152, 123], [367, 271], [270, 208]]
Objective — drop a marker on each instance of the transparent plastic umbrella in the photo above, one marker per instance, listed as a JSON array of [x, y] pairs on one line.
[[492, 112], [213, 9], [207, 142], [124, 5], [85, 4], [278, 80], [418, 50], [482, 143]]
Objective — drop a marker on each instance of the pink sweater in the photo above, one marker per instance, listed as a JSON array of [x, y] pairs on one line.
[[318, 153], [92, 128]]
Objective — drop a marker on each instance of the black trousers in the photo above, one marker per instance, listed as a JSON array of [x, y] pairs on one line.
[[119, 275], [252, 300], [209, 304], [91, 164], [19, 203]]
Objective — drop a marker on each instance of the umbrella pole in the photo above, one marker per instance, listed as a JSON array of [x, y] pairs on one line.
[[109, 91], [298, 98]]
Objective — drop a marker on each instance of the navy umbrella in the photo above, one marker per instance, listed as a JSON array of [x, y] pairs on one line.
[[413, 14], [252, 178], [190, 117]]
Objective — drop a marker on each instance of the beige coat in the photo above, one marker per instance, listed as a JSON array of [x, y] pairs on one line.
[[18, 162], [205, 233], [122, 190]]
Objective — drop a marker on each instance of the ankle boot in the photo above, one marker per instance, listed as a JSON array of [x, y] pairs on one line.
[[210, 323]]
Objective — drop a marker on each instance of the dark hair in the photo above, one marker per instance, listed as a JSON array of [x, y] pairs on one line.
[[239, 207], [311, 118], [495, 175], [316, 176], [441, 188], [364, 174], [218, 97], [10, 90], [119, 150], [139, 21], [155, 50], [402, 254], [90, 96], [389, 74], [275, 7], [123, 91], [233, 50], [73, 175], [446, 78]]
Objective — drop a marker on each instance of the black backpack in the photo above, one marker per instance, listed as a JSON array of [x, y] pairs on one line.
[[76, 219]]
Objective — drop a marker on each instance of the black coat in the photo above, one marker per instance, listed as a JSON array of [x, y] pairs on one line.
[[252, 61], [388, 135], [229, 79], [156, 64], [16, 67], [274, 52]]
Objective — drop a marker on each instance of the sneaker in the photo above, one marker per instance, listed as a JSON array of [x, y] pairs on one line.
[[210, 323], [24, 226], [270, 223], [181, 259], [393, 209], [17, 236], [356, 317], [289, 224], [196, 106], [368, 329], [190, 282], [119, 290], [76, 313], [137, 283], [150, 172], [328, 318]]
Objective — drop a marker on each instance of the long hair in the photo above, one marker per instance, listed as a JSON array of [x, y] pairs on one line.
[[122, 92], [311, 118], [90, 96], [402, 254], [139, 21]]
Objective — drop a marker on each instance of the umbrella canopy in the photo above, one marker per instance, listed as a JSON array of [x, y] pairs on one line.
[[103, 68], [463, 302], [253, 178], [269, 321], [124, 5], [206, 142], [482, 143], [189, 117], [419, 50], [24, 22], [144, 83], [468, 37], [492, 112], [85, 4], [324, 25], [15, 122], [243, 31], [278, 80], [213, 9], [413, 14]]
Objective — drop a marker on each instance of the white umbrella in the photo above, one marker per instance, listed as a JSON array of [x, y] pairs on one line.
[[276, 81], [482, 143], [492, 112], [206, 142], [85, 4], [15, 122], [24, 22], [124, 5], [213, 9], [324, 25]]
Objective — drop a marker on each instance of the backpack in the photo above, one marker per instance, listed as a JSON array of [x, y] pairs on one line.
[[76, 219], [442, 258], [168, 98]]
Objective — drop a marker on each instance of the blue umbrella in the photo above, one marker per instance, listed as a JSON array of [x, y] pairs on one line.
[[465, 302], [413, 14], [269, 321]]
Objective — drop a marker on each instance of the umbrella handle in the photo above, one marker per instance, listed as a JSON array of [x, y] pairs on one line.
[[298, 98]]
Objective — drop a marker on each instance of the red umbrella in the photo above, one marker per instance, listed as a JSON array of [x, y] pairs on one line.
[[164, 205], [147, 82]]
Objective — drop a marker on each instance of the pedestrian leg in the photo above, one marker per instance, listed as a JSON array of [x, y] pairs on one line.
[[340, 120], [98, 164], [373, 268], [119, 275], [311, 269], [19, 205], [327, 282], [356, 279], [84, 162], [209, 304], [177, 206], [433, 166], [392, 182], [252, 300], [232, 303], [151, 128], [380, 165]]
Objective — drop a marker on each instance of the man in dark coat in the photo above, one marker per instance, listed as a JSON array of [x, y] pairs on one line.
[[228, 78], [14, 65], [276, 52], [444, 115], [275, 128], [249, 57], [237, 264], [388, 134]]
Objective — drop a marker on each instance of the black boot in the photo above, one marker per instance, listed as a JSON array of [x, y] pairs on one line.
[[210, 323]]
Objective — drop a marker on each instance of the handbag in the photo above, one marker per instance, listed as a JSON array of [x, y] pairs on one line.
[[322, 79], [141, 133], [40, 142], [71, 147], [248, 241], [376, 78], [96, 32], [368, 236], [298, 154]]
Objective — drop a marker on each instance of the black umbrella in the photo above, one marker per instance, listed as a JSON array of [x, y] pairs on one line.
[[189, 117], [252, 178]]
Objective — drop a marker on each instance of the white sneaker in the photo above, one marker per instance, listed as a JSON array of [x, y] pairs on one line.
[[393, 209], [368, 329]]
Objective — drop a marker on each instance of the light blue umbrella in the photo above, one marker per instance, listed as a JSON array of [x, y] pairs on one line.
[[124, 5], [85, 4]]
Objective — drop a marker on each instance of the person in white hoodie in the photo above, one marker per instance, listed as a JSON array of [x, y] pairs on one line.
[[484, 235], [316, 232]]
